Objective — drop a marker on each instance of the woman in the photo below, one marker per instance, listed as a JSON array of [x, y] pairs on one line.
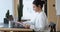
[[40, 21]]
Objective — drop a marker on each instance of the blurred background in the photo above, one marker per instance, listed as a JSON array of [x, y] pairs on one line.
[[22, 10]]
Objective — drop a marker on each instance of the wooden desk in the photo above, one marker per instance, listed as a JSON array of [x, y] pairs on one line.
[[15, 30]]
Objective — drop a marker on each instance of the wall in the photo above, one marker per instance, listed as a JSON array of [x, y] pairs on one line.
[[58, 13], [52, 13], [58, 7], [58, 23]]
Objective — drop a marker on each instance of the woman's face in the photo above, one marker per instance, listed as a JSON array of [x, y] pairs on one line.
[[35, 8]]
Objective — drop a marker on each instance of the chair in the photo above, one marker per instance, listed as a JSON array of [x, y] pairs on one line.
[[53, 27]]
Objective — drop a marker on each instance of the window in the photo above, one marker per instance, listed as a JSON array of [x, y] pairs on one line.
[[58, 7], [4, 6], [27, 9]]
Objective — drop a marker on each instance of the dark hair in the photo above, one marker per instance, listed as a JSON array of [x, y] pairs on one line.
[[38, 2]]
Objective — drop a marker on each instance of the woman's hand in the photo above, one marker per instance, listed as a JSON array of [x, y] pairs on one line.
[[26, 26]]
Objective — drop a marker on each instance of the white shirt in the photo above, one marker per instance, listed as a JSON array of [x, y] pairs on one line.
[[39, 21]]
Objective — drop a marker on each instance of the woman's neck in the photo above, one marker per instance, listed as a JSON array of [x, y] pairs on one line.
[[39, 10]]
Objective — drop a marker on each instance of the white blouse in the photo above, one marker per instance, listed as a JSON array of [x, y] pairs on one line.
[[39, 21]]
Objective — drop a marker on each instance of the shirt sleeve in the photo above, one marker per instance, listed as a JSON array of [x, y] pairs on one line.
[[30, 22]]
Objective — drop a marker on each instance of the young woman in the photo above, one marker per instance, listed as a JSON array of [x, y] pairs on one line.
[[40, 21]]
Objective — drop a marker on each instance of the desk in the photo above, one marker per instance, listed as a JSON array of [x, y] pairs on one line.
[[5, 28], [16, 30]]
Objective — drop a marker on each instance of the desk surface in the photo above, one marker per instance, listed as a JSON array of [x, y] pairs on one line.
[[4, 27], [14, 29]]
